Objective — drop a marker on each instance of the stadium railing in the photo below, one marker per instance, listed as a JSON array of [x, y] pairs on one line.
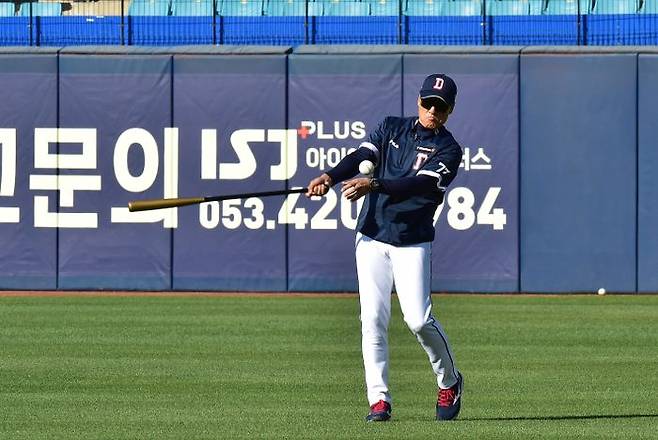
[[294, 22]]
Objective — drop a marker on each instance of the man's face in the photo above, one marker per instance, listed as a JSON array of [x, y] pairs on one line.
[[432, 112]]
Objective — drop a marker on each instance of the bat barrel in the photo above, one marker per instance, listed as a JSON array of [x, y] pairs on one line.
[[146, 205]]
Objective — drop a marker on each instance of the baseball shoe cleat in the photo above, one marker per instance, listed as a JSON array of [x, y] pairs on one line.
[[449, 401], [379, 412]]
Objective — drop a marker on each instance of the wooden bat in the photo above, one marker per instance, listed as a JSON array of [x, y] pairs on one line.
[[147, 205]]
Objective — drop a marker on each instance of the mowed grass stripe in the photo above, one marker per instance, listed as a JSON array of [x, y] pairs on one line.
[[193, 367]]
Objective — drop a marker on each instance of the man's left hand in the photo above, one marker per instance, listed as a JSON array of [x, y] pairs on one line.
[[354, 189]]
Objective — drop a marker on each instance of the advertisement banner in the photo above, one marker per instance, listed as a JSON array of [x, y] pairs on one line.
[[334, 102], [28, 256], [233, 139], [476, 245], [115, 144]]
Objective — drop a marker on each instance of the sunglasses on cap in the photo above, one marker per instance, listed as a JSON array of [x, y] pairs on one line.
[[438, 104]]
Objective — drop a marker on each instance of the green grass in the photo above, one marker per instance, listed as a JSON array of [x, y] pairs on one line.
[[194, 367]]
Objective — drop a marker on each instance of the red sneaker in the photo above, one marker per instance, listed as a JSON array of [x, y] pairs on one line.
[[379, 412], [449, 401]]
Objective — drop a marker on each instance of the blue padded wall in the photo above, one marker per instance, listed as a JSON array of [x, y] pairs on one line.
[[578, 172], [114, 94], [28, 255], [328, 91], [647, 264], [214, 93], [479, 257]]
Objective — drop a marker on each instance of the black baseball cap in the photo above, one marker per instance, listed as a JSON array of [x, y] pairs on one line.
[[439, 85]]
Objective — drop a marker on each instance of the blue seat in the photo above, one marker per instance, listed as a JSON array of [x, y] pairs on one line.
[[192, 8], [510, 23], [148, 8], [424, 8], [342, 8], [243, 22], [615, 7], [382, 8], [41, 9], [191, 22], [315, 9], [616, 23], [537, 7], [6, 9], [149, 23], [567, 7], [241, 8], [284, 21], [649, 34], [508, 7], [462, 8], [286, 8], [649, 7], [348, 22]]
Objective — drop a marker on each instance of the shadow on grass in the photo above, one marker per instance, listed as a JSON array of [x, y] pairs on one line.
[[585, 417]]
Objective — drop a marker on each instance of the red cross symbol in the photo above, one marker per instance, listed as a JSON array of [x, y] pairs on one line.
[[303, 132]]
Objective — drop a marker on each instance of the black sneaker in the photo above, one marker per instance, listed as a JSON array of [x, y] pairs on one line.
[[449, 401], [379, 412]]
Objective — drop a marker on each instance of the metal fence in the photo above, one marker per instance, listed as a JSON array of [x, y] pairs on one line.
[[294, 22]]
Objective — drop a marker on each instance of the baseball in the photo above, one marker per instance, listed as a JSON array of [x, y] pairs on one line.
[[366, 167], [601, 291]]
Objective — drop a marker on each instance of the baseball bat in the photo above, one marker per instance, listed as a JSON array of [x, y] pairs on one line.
[[147, 205]]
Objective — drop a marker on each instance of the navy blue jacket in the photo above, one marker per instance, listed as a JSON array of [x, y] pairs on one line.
[[414, 166]]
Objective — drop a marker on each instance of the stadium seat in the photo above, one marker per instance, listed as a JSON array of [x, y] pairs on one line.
[[149, 8], [41, 9], [649, 7], [149, 23], [384, 7], [508, 7], [14, 31], [192, 8], [462, 8], [510, 23], [615, 7], [284, 21], [455, 22], [286, 8], [241, 8], [191, 22], [244, 22], [342, 8], [6, 9], [537, 7], [347, 22], [567, 7], [424, 8], [616, 23]]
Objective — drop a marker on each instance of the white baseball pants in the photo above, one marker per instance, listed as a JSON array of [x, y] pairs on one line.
[[379, 265]]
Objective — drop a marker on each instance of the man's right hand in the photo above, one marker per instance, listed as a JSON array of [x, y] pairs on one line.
[[319, 186]]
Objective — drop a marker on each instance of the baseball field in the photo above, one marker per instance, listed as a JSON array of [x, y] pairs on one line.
[[194, 366]]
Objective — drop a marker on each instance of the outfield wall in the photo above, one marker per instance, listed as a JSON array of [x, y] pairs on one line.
[[556, 191]]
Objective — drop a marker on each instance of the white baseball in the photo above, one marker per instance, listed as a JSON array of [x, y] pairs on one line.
[[366, 167], [601, 291]]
